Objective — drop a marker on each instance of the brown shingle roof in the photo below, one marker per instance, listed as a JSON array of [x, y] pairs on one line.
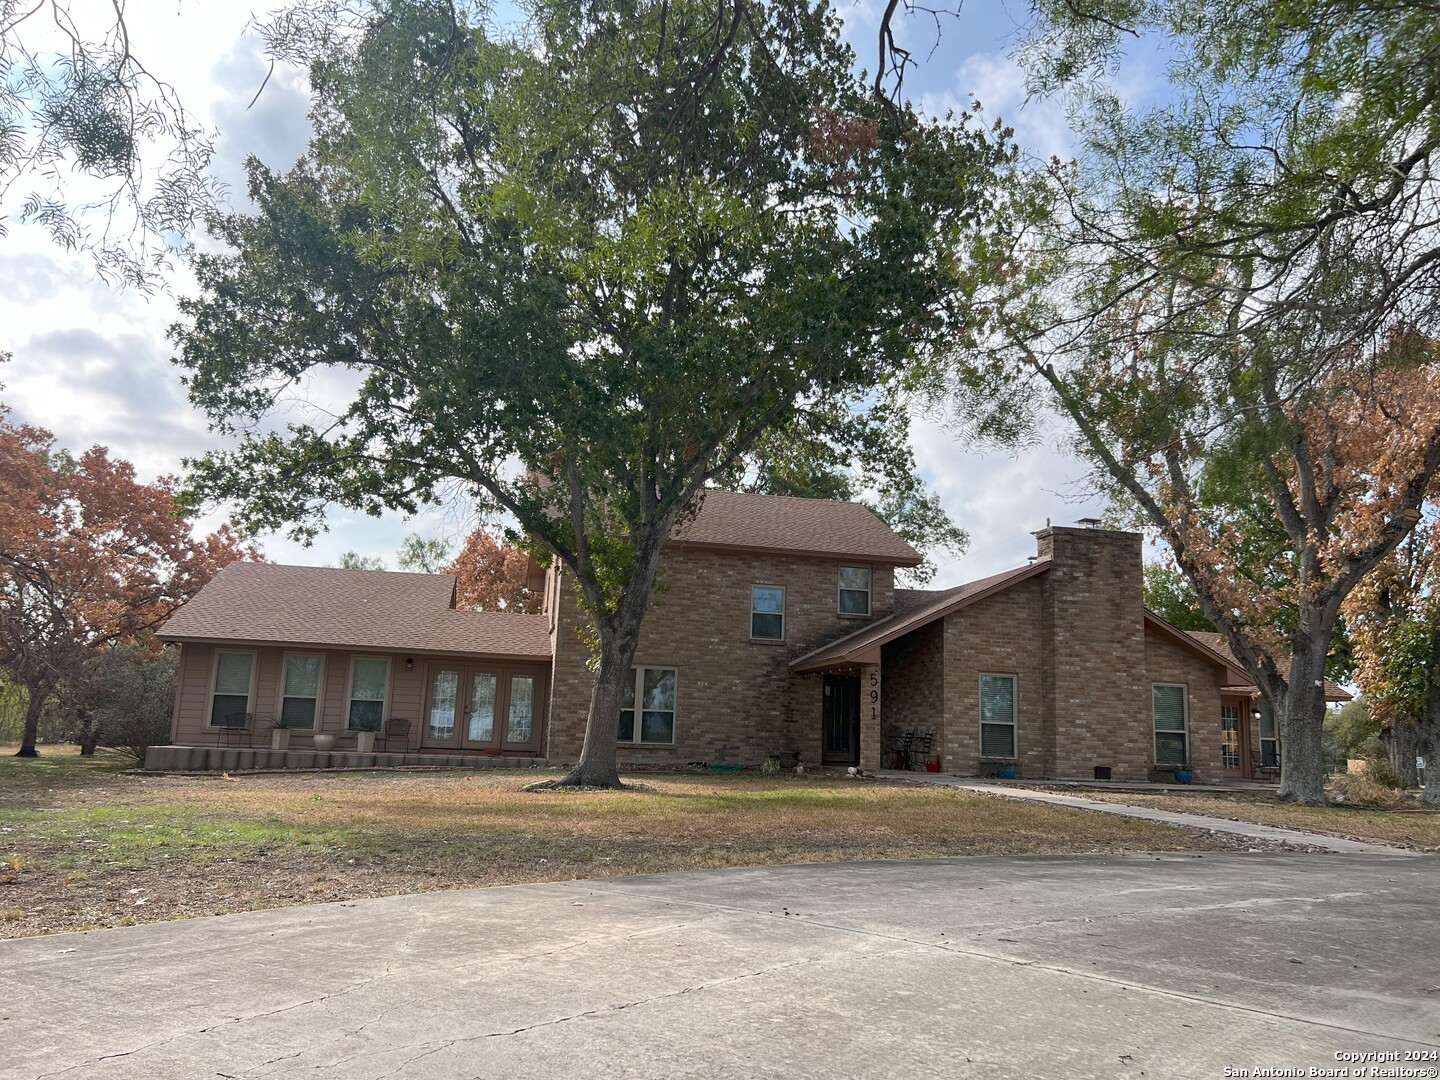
[[782, 523], [913, 609], [358, 609], [1218, 643]]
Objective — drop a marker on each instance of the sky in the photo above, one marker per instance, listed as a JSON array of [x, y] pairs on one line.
[[92, 364]]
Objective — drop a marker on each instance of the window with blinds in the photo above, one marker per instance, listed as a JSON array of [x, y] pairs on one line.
[[1171, 735], [997, 716]]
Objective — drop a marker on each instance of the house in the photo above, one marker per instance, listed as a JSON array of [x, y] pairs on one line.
[[775, 630]]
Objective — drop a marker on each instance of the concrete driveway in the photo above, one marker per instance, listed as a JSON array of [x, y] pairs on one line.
[[1168, 966]]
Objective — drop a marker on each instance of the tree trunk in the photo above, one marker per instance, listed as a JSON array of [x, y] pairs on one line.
[[1427, 743], [1402, 743], [1302, 721], [597, 766], [36, 705]]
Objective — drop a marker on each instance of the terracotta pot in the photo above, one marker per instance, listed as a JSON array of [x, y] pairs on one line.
[[324, 743]]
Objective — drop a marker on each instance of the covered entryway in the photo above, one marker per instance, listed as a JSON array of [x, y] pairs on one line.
[[1235, 738], [840, 721], [483, 707]]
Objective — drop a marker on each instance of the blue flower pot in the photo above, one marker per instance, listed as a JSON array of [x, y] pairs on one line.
[[1183, 776], [1005, 772]]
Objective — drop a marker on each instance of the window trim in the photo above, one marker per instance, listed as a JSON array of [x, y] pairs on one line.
[[1014, 678], [869, 591], [254, 655], [350, 687], [1184, 689], [637, 681], [280, 694], [767, 640]]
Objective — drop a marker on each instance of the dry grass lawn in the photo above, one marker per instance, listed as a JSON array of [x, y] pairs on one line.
[[85, 845], [1411, 828]]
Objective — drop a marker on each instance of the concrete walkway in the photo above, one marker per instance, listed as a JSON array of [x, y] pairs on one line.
[[1297, 837], [1043, 968]]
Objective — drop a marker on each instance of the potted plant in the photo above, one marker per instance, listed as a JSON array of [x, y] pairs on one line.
[[1183, 774], [1005, 772], [324, 741], [280, 733], [366, 728]]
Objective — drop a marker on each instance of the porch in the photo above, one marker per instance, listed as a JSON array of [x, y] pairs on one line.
[[244, 759]]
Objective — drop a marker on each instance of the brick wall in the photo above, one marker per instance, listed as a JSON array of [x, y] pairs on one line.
[[736, 700], [1167, 662], [1000, 635]]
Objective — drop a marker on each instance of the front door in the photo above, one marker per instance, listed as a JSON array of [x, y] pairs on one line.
[[840, 721], [1230, 736], [482, 707]]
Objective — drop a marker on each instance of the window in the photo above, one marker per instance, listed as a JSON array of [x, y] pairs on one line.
[[369, 676], [997, 716], [854, 590], [654, 688], [230, 697], [1269, 741], [300, 692], [1170, 726], [767, 612]]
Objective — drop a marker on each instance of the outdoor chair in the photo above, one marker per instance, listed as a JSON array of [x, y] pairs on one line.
[[1259, 771], [913, 748], [238, 730], [396, 729]]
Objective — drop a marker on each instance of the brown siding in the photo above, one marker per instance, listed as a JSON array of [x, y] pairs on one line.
[[736, 700], [407, 689]]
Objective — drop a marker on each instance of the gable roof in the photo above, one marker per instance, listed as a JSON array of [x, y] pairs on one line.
[[1217, 642], [351, 609], [913, 609], [784, 524]]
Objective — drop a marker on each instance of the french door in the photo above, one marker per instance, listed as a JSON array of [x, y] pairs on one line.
[[492, 707]]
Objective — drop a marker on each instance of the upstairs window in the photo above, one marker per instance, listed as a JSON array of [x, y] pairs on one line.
[[1171, 733], [654, 689], [767, 612], [854, 590]]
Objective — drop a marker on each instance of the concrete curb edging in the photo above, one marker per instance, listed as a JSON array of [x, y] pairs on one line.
[[1319, 841]]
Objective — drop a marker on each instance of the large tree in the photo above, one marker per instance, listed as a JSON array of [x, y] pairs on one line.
[[1234, 298], [580, 267], [89, 558], [1395, 616]]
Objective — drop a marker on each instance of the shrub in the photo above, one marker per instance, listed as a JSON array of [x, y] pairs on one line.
[[1363, 790], [132, 695]]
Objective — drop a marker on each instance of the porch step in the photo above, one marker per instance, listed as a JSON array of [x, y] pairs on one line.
[[226, 759]]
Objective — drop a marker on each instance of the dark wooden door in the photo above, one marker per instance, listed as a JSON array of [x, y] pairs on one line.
[[840, 721]]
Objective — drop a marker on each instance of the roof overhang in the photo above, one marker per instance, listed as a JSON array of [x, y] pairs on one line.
[[868, 641], [352, 647]]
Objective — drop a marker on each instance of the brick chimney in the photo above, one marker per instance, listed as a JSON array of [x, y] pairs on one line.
[[1097, 697]]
